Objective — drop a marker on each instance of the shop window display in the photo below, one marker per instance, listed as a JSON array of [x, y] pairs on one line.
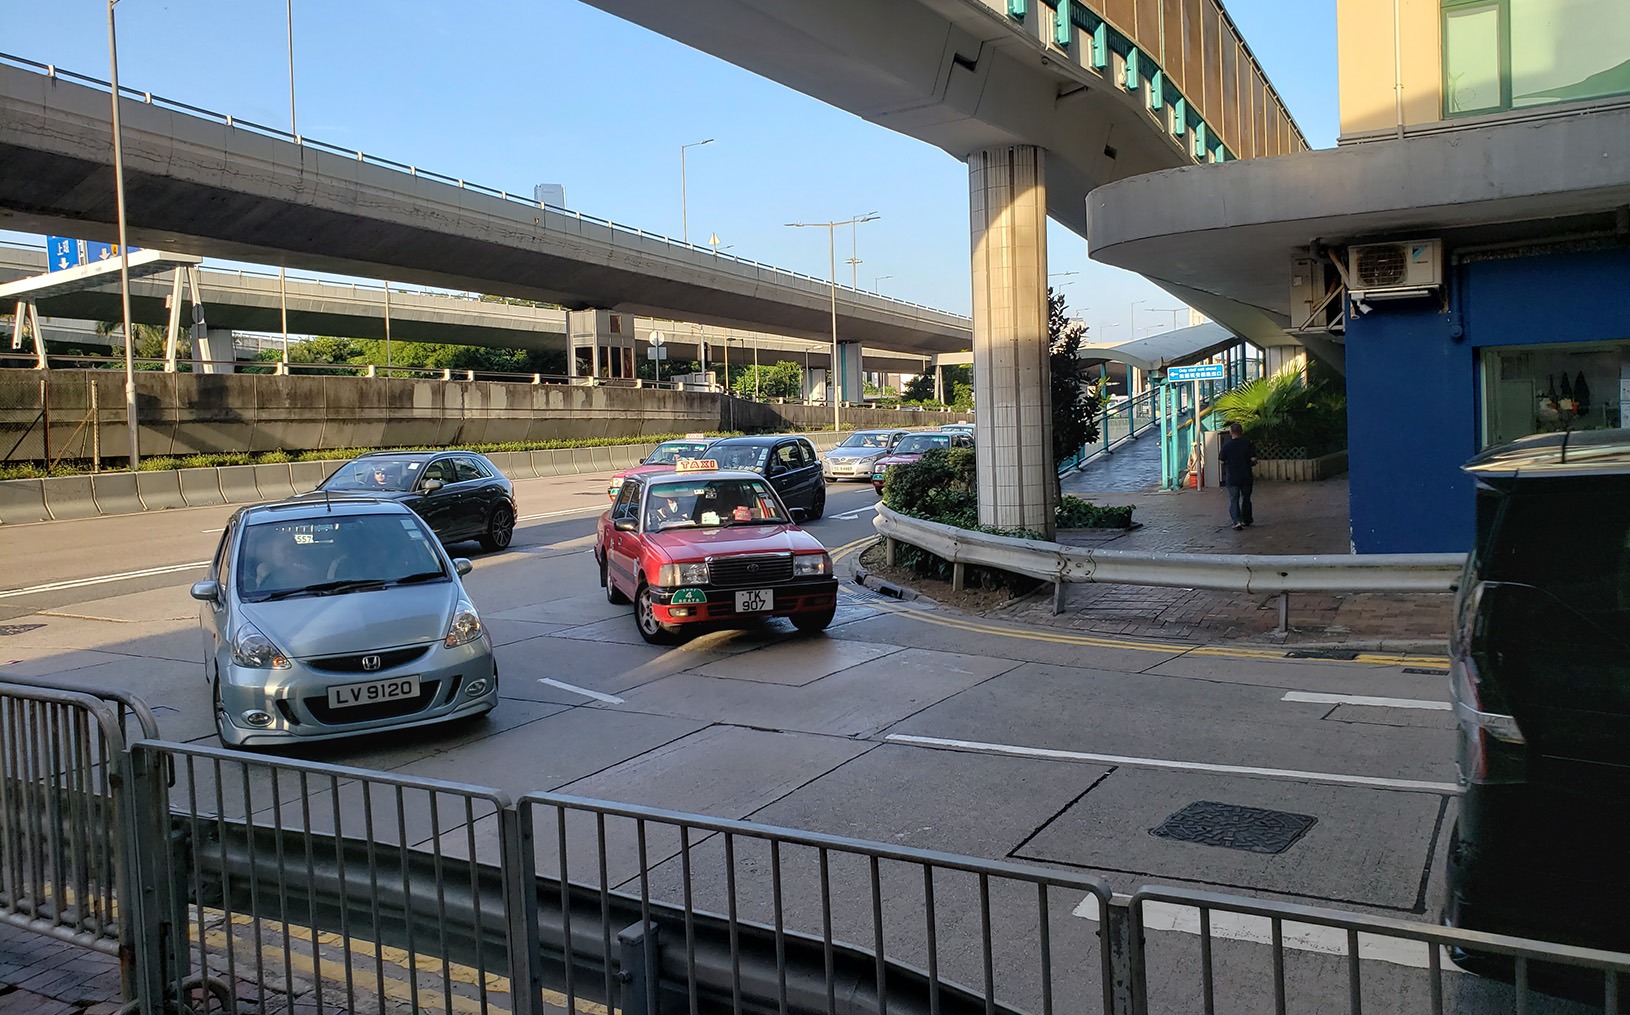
[[1546, 389]]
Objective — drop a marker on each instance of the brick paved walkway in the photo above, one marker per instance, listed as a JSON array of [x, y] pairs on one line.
[[1293, 518], [40, 975]]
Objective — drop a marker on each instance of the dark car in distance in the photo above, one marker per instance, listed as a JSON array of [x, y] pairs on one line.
[[1540, 679], [788, 462], [460, 494]]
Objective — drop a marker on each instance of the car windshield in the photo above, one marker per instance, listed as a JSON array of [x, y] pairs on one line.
[[866, 440], [669, 451], [332, 554], [917, 443], [740, 456], [384, 475], [712, 503]]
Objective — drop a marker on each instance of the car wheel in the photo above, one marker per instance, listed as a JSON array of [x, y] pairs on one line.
[[500, 529], [614, 595], [817, 504], [813, 623], [645, 618]]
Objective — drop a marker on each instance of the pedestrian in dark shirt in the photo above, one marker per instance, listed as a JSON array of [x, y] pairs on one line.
[[1237, 456]]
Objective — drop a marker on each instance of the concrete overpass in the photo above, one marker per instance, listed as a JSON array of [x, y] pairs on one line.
[[221, 187], [247, 301], [1045, 100]]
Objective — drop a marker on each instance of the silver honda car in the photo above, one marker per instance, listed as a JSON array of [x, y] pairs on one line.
[[325, 619]]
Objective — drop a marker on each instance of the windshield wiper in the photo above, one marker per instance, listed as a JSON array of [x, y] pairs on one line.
[[422, 576]]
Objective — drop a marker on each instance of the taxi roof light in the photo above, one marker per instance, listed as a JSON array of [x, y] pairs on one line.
[[695, 465]]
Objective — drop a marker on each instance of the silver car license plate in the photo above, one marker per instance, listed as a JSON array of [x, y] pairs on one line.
[[373, 692], [755, 600]]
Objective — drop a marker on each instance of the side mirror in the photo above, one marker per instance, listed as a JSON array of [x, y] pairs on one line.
[[625, 525], [799, 515], [462, 565], [207, 592], [432, 485]]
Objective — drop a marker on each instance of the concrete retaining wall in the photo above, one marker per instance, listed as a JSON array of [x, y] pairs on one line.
[[1301, 470], [185, 413]]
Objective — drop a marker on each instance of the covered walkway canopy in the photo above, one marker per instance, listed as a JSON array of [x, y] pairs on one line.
[[1169, 348]]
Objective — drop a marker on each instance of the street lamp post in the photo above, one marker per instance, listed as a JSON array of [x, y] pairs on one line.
[[832, 259], [684, 211], [294, 131], [879, 281], [124, 246]]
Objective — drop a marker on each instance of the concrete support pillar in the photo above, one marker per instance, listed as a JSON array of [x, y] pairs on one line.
[[1013, 420], [939, 383], [851, 380], [215, 344]]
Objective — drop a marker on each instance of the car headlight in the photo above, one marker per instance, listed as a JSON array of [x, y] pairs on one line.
[[466, 626], [811, 565], [255, 651], [670, 575]]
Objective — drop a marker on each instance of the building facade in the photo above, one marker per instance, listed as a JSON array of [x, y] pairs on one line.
[[1463, 254]]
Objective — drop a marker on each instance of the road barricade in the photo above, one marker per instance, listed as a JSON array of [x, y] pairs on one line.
[[238, 485], [115, 493], [22, 500], [201, 487], [160, 490], [274, 480], [69, 497]]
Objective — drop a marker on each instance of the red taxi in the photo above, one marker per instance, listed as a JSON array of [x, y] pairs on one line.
[[911, 448], [701, 544], [663, 458]]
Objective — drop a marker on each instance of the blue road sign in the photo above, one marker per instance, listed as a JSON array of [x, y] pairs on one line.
[[1197, 372], [96, 251], [62, 252]]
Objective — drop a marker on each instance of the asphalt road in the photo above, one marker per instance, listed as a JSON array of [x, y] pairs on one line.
[[904, 724]]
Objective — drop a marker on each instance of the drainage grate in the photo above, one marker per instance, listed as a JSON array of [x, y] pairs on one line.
[[1426, 672], [6, 629], [1322, 653], [1233, 826]]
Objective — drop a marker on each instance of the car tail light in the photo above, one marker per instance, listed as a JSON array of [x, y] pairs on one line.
[[1492, 748]]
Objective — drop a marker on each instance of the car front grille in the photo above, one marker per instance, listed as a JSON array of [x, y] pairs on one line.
[[749, 572], [396, 708], [353, 663]]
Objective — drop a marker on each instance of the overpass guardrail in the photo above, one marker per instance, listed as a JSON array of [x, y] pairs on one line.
[[242, 879], [1227, 572]]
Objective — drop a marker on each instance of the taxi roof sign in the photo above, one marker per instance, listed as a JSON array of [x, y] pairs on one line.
[[695, 436], [696, 465]]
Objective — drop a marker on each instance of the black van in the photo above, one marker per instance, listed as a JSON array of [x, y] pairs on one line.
[[1540, 677]]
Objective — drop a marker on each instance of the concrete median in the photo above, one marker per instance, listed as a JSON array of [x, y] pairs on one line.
[[201, 487], [115, 493], [545, 464], [159, 491], [274, 480], [306, 475], [237, 484], [22, 500], [69, 497], [582, 460]]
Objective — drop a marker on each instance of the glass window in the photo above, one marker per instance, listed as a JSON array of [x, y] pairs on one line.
[[374, 473], [282, 559], [467, 469], [441, 469], [628, 502], [711, 503], [1547, 388], [1563, 50], [1471, 59], [670, 451]]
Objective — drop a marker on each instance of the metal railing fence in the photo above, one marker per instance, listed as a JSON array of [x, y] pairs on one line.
[[1402, 976], [797, 921], [225, 879], [1117, 424]]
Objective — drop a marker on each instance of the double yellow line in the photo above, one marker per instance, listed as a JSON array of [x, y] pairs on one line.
[[1125, 644]]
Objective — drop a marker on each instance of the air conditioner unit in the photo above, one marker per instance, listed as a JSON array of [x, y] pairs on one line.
[[1409, 268]]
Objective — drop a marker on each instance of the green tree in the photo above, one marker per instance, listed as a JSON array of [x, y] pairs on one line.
[[150, 342], [783, 379], [1075, 394]]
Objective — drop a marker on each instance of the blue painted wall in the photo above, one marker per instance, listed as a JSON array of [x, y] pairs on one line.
[[1412, 385]]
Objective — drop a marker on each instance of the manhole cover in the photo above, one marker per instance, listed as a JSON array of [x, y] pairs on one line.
[[6, 629], [1232, 826], [1322, 653]]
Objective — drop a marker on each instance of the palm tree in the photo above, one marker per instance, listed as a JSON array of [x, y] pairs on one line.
[[1266, 403]]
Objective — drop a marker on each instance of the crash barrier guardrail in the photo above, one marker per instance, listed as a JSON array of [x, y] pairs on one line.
[[1228, 572], [1117, 424], [287, 885], [114, 493]]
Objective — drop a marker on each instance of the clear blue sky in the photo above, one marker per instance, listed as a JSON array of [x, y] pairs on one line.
[[510, 93]]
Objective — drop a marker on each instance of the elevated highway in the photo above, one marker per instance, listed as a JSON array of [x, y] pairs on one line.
[[221, 187], [247, 301]]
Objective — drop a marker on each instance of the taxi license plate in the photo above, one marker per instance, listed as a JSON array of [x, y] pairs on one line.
[[347, 695], [755, 600]]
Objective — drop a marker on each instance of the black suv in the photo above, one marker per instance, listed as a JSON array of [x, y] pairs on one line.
[[789, 463], [1540, 675], [460, 493]]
